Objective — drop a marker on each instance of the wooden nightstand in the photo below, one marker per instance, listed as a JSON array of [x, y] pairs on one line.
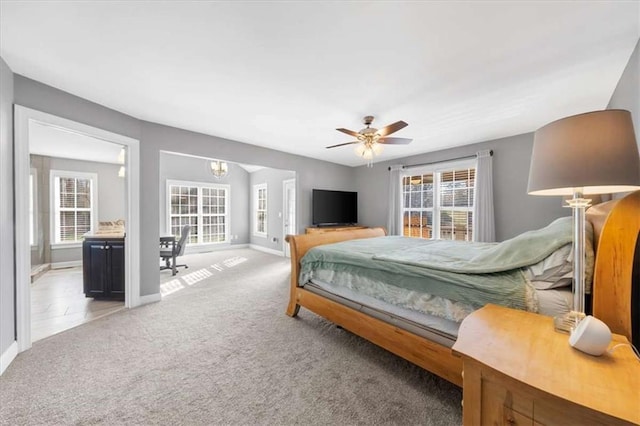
[[518, 370]]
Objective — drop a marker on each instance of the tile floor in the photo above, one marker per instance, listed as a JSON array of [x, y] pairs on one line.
[[58, 303]]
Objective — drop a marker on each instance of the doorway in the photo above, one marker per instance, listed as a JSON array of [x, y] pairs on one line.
[[289, 226], [25, 121]]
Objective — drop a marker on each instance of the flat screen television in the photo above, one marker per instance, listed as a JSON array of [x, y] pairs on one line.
[[334, 207]]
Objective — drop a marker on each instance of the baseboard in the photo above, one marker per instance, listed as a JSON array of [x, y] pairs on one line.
[[8, 356], [70, 264], [38, 271], [212, 247], [266, 250], [150, 298]]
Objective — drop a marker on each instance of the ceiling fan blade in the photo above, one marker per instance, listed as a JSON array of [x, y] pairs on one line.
[[342, 144], [395, 141], [349, 132], [391, 128]]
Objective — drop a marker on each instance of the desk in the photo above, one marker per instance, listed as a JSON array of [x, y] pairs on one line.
[[169, 241]]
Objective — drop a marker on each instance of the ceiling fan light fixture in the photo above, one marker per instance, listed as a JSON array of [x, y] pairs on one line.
[[369, 141], [377, 148], [360, 149]]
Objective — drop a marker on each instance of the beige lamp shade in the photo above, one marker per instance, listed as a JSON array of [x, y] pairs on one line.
[[595, 153]]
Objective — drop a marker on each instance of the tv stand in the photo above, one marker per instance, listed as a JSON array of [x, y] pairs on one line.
[[336, 228]]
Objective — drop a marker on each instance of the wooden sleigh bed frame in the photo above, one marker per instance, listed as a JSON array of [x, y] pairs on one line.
[[617, 266]]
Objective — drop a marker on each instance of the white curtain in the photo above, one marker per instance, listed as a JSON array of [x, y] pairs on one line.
[[394, 218], [484, 229]]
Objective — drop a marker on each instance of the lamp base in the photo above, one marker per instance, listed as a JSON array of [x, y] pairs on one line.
[[568, 322]]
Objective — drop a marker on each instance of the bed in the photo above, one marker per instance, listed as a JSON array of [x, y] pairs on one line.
[[426, 340]]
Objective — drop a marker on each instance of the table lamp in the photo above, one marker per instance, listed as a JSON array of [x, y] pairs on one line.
[[590, 153]]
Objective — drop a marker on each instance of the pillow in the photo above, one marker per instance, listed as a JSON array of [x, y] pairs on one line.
[[552, 272], [556, 270]]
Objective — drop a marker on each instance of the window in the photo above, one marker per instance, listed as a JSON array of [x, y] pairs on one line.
[[437, 203], [204, 206], [260, 207], [74, 206]]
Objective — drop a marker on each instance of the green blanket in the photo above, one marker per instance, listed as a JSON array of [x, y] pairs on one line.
[[482, 258], [493, 273]]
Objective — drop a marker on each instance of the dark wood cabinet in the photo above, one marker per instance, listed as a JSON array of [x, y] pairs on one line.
[[103, 268]]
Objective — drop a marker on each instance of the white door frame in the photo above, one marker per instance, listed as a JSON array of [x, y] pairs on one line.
[[285, 248], [22, 118]]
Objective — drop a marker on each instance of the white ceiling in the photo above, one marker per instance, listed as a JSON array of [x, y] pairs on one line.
[[284, 75], [56, 142]]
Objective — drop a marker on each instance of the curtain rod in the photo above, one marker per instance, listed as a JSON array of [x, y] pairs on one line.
[[442, 161]]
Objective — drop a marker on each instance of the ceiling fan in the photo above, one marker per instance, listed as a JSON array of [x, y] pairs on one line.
[[371, 140]]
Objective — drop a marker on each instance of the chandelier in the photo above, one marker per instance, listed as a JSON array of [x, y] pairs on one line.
[[219, 169]]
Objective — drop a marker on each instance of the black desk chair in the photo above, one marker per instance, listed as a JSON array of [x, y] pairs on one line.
[[170, 249]]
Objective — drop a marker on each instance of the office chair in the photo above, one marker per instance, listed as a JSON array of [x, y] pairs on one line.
[[170, 249]]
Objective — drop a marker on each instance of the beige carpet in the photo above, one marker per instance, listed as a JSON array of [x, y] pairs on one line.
[[220, 350]]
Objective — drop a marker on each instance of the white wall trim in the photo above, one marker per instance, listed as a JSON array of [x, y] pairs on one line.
[[206, 248], [22, 118], [65, 246], [150, 298], [69, 264], [293, 226], [8, 356], [266, 250]]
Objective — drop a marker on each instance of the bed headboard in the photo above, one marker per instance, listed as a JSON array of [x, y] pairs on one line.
[[616, 281]]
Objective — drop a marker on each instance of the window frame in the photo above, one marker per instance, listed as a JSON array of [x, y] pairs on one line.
[[200, 215], [33, 207], [436, 169], [256, 210], [54, 201]]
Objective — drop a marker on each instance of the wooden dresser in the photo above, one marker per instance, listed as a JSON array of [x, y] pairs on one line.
[[519, 371], [320, 229]]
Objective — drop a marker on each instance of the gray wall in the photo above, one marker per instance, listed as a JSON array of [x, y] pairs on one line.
[[7, 276], [515, 210], [275, 205], [111, 202], [627, 93], [180, 167], [155, 138]]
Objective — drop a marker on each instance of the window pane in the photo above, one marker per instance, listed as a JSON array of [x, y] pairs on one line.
[[67, 218], [427, 198], [406, 231], [67, 200]]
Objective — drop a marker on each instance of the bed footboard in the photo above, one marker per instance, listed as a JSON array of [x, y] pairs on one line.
[[300, 244]]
